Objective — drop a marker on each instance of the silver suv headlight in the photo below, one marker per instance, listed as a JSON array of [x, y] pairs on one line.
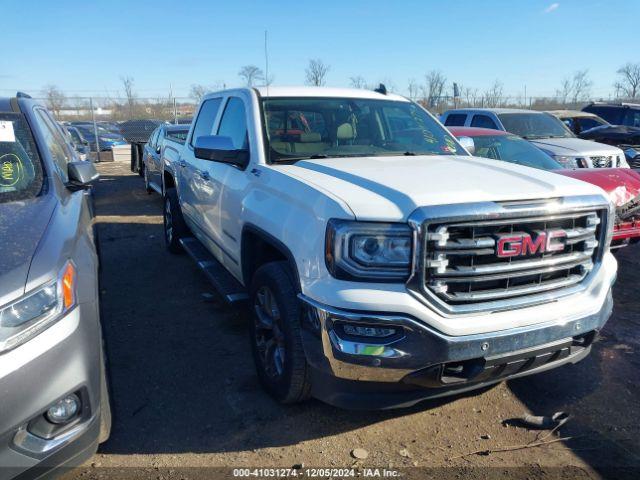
[[37, 310], [570, 162], [368, 251]]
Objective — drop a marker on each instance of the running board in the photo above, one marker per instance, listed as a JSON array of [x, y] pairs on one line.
[[225, 284]]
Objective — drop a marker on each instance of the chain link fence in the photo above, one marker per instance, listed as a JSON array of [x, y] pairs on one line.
[[135, 118]]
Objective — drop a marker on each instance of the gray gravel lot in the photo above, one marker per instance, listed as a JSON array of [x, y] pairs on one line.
[[185, 393]]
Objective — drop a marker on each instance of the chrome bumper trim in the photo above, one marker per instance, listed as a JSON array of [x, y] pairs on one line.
[[419, 346]]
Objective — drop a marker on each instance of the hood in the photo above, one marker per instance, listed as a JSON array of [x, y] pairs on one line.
[[390, 188], [22, 225], [621, 184], [575, 146], [112, 137], [613, 134]]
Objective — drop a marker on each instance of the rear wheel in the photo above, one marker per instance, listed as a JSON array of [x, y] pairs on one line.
[[174, 226], [275, 334], [147, 186]]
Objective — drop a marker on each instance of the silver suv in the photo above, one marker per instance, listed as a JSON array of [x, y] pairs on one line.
[[54, 406], [545, 131]]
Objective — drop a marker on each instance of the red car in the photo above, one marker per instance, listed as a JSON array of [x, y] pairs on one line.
[[622, 184]]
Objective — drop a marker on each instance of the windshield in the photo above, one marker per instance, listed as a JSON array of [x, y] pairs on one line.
[[75, 135], [301, 128], [21, 174], [534, 125], [513, 149]]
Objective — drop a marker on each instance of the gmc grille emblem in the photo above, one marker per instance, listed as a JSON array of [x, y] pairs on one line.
[[520, 244]]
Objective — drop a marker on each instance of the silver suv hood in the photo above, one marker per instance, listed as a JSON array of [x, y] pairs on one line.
[[22, 225], [575, 146]]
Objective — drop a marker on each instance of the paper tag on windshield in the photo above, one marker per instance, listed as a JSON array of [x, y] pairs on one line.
[[6, 132]]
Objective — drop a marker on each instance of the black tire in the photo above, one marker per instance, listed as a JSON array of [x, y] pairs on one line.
[[281, 363], [174, 226], [147, 187]]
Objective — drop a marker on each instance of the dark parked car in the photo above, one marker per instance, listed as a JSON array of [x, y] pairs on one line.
[[137, 133], [54, 403], [106, 140]]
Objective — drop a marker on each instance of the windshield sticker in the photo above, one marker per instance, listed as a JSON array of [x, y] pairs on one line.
[[451, 145], [6, 132], [11, 170]]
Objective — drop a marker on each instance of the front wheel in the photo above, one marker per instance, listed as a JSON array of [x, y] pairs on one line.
[[276, 340]]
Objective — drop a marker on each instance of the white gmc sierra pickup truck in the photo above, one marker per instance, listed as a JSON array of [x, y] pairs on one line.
[[381, 262]]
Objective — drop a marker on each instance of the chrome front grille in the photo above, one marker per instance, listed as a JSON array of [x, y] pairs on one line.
[[602, 161], [501, 260]]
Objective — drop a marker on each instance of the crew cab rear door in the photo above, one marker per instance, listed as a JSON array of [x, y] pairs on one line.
[[226, 186], [191, 186]]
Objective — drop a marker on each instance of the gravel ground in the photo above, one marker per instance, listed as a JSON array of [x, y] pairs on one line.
[[185, 393]]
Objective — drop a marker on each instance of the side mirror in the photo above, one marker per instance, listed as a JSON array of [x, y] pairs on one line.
[[468, 144], [220, 149], [81, 174]]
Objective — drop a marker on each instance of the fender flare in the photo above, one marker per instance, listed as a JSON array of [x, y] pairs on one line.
[[275, 243]]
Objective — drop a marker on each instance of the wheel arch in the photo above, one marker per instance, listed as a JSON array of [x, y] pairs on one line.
[[259, 247]]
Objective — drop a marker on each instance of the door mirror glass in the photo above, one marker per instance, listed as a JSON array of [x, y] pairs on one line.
[[81, 174], [468, 144], [219, 148]]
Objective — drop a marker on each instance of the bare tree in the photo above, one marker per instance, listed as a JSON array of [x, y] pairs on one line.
[[127, 83], [55, 99], [251, 74], [629, 84], [316, 72], [413, 89], [581, 85], [575, 88], [358, 82], [470, 95], [565, 90], [434, 87], [493, 96]]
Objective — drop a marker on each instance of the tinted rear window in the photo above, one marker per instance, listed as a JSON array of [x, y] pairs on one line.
[[612, 115], [455, 120], [21, 173]]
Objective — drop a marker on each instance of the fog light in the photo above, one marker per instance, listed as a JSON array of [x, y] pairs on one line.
[[64, 410], [365, 331]]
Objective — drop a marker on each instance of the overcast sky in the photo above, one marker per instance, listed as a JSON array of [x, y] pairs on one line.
[[85, 47]]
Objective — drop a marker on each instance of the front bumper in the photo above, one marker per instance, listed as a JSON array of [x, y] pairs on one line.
[[420, 362], [65, 358]]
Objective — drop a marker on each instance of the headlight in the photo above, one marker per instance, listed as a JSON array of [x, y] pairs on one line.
[[569, 162], [368, 250], [29, 315]]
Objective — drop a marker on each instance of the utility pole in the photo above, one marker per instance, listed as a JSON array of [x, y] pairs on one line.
[[95, 129]]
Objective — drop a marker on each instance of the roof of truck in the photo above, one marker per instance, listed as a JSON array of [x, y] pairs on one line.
[[571, 113], [327, 92], [497, 111], [476, 132]]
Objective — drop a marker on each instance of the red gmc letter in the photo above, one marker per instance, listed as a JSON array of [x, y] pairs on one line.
[[510, 246], [532, 246]]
